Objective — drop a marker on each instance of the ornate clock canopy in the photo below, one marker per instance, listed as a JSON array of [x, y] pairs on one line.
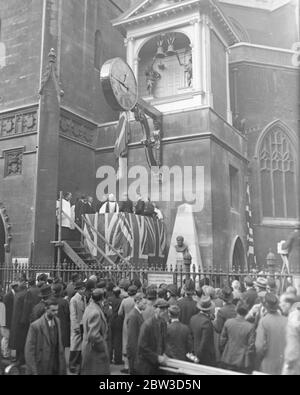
[[169, 46]]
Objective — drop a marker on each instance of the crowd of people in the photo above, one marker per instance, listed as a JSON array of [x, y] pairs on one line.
[[84, 327]]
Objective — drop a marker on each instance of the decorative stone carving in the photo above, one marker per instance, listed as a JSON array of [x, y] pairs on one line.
[[13, 162], [77, 130], [7, 227], [18, 123]]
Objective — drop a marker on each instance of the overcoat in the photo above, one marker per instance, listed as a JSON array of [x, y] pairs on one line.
[[125, 308], [188, 308], [203, 339], [134, 323], [37, 349], [151, 344], [18, 334], [9, 307], [77, 308], [95, 354], [237, 343], [270, 343], [179, 341]]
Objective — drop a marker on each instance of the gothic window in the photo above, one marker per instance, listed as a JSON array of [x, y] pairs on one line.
[[98, 50], [277, 162]]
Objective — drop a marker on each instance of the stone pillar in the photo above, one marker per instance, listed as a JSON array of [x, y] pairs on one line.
[[229, 112], [196, 50], [129, 43], [206, 61], [47, 167]]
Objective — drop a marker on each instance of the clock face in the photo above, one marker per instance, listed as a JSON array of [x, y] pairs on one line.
[[119, 85]]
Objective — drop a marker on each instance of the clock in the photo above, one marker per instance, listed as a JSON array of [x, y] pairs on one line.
[[119, 85]]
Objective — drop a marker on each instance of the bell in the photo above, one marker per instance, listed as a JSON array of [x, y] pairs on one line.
[[171, 51], [160, 52]]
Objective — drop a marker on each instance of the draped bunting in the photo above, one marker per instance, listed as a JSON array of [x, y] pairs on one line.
[[142, 240]]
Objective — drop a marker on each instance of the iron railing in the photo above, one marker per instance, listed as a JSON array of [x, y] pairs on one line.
[[216, 278]]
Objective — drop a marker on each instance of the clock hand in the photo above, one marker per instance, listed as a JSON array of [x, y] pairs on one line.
[[120, 82]]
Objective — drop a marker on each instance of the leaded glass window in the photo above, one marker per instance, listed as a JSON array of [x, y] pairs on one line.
[[278, 175]]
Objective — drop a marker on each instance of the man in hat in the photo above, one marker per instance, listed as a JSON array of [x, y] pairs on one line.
[[44, 351], [125, 308], [152, 341], [32, 298], [124, 284], [40, 308], [179, 340], [71, 286], [237, 342], [151, 296], [77, 308], [172, 294], [258, 310], [135, 321], [203, 333], [63, 314], [110, 207], [188, 306], [116, 324], [250, 295], [227, 311], [271, 338], [95, 353]]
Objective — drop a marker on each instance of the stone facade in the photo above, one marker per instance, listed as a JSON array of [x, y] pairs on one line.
[[239, 92]]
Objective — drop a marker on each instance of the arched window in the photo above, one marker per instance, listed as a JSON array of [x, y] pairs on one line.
[[98, 50], [278, 174]]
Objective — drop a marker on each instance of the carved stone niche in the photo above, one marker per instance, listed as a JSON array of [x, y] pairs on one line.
[[13, 162]]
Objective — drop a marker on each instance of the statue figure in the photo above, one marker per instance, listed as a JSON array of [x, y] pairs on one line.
[[182, 251], [188, 70], [152, 78]]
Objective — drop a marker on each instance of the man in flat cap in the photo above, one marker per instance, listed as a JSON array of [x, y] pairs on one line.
[[152, 341]]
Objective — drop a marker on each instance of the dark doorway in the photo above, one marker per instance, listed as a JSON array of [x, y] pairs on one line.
[[2, 242], [238, 259]]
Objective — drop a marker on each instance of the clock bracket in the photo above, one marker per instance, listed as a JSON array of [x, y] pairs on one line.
[[152, 140]]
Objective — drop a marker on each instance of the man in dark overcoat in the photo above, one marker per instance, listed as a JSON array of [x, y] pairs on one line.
[[63, 314], [179, 339], [152, 341], [116, 324], [18, 329], [44, 351], [134, 323], [95, 353], [250, 295], [203, 333], [8, 301], [40, 308], [226, 312], [188, 306]]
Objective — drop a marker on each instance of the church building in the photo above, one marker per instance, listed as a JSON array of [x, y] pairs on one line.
[[224, 77]]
